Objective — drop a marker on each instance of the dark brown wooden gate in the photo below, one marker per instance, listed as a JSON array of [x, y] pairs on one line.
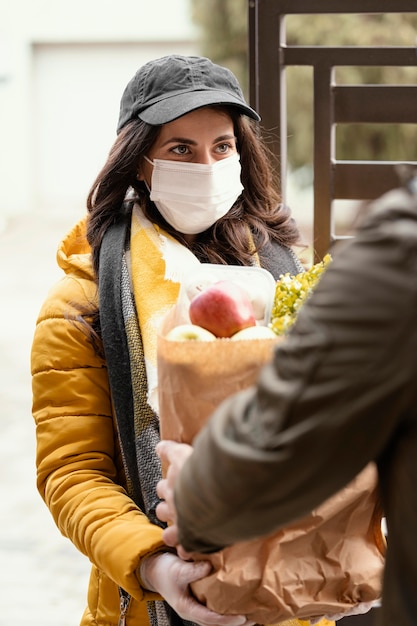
[[269, 56]]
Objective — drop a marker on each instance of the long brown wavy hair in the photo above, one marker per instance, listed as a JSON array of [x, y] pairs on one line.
[[258, 210]]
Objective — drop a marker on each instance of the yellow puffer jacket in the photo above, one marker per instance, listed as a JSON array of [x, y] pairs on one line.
[[79, 468], [78, 463]]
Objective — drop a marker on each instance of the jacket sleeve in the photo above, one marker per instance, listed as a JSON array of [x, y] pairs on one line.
[[336, 391], [77, 474]]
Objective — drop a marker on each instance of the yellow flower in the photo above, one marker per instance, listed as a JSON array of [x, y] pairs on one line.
[[291, 293]]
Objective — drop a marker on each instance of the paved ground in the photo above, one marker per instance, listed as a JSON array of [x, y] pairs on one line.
[[43, 579]]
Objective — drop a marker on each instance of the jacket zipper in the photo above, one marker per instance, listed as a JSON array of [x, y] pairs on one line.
[[124, 606]]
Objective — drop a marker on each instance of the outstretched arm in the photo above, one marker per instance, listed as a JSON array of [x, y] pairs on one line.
[[334, 393]]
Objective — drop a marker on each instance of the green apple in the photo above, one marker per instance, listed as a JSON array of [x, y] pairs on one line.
[[255, 332], [189, 332]]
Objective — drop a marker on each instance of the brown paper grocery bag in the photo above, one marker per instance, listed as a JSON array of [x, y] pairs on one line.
[[195, 376], [324, 564]]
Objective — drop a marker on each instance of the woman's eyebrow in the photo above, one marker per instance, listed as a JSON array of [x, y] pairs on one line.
[[191, 142], [225, 138]]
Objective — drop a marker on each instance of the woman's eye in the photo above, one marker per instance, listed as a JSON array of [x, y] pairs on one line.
[[224, 147], [182, 149]]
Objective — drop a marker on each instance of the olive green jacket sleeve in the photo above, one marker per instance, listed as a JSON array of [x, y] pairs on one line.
[[340, 387]]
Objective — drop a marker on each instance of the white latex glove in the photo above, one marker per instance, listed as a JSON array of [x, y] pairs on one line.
[[170, 576]]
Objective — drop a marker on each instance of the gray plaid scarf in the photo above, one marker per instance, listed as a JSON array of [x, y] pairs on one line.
[[138, 425]]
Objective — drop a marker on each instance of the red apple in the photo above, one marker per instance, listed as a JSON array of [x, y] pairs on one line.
[[223, 308]]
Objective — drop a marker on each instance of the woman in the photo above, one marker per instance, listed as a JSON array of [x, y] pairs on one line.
[[186, 181]]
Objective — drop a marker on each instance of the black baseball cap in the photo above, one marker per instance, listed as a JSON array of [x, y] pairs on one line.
[[167, 88]]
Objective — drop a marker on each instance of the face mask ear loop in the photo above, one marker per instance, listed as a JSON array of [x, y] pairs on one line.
[[151, 163]]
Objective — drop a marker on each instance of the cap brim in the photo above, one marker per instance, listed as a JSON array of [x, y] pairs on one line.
[[177, 105]]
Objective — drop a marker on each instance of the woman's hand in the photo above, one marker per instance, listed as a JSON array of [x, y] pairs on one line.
[[174, 455], [170, 576]]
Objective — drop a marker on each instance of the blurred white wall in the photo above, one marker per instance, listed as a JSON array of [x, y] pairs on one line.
[[63, 68]]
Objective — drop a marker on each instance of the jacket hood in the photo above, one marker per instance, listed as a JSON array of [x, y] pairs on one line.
[[74, 252]]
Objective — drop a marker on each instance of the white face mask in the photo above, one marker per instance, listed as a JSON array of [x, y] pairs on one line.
[[193, 196]]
